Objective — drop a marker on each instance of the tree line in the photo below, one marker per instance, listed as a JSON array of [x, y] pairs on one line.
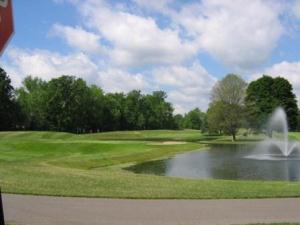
[[68, 104]]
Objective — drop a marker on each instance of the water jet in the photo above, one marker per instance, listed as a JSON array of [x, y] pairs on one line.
[[277, 145]]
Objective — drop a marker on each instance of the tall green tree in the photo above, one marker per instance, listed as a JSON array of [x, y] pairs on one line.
[[178, 121], [32, 99], [67, 104], [8, 106], [195, 119], [215, 117], [95, 109], [133, 111], [228, 104], [264, 95], [158, 112], [114, 111]]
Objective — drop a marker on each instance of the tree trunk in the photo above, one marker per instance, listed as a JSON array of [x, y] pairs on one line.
[[233, 137]]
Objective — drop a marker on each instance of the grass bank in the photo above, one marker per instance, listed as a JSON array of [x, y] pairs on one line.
[[63, 164]]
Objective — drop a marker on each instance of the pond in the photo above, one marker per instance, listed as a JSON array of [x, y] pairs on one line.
[[230, 162]]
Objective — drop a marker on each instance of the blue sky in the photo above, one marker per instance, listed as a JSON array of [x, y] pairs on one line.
[[181, 47]]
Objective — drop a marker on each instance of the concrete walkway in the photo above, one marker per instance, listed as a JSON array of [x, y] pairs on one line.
[[33, 210]]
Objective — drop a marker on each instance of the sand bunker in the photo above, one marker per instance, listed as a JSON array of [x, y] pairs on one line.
[[168, 143]]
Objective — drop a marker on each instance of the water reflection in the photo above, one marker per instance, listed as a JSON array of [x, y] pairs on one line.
[[223, 162]]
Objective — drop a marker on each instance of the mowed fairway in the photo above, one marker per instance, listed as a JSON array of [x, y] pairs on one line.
[[63, 164]]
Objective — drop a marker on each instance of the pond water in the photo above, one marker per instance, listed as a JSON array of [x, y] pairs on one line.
[[230, 162]]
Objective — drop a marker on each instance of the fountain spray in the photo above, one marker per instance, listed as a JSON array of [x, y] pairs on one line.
[[278, 122]]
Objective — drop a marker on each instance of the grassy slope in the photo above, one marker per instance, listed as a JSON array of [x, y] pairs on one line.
[[50, 163]]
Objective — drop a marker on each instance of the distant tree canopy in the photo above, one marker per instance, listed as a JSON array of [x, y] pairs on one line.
[[67, 103], [225, 113], [195, 119], [264, 95], [32, 99]]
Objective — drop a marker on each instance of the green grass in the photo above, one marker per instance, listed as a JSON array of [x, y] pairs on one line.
[[63, 164], [294, 135]]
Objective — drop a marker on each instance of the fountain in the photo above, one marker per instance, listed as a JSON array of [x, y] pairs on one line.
[[275, 158], [277, 130], [278, 122]]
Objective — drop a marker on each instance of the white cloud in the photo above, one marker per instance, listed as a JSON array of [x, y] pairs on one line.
[[115, 80], [78, 38], [241, 34], [296, 8], [136, 40], [46, 64], [190, 86]]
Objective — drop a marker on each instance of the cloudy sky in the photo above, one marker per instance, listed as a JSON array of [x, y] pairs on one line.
[[180, 46]]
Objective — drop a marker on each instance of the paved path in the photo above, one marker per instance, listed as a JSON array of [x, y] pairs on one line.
[[33, 210]]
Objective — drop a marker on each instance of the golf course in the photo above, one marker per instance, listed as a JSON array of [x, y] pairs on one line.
[[93, 165]]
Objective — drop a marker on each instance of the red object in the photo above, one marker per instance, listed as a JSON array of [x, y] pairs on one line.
[[6, 23]]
